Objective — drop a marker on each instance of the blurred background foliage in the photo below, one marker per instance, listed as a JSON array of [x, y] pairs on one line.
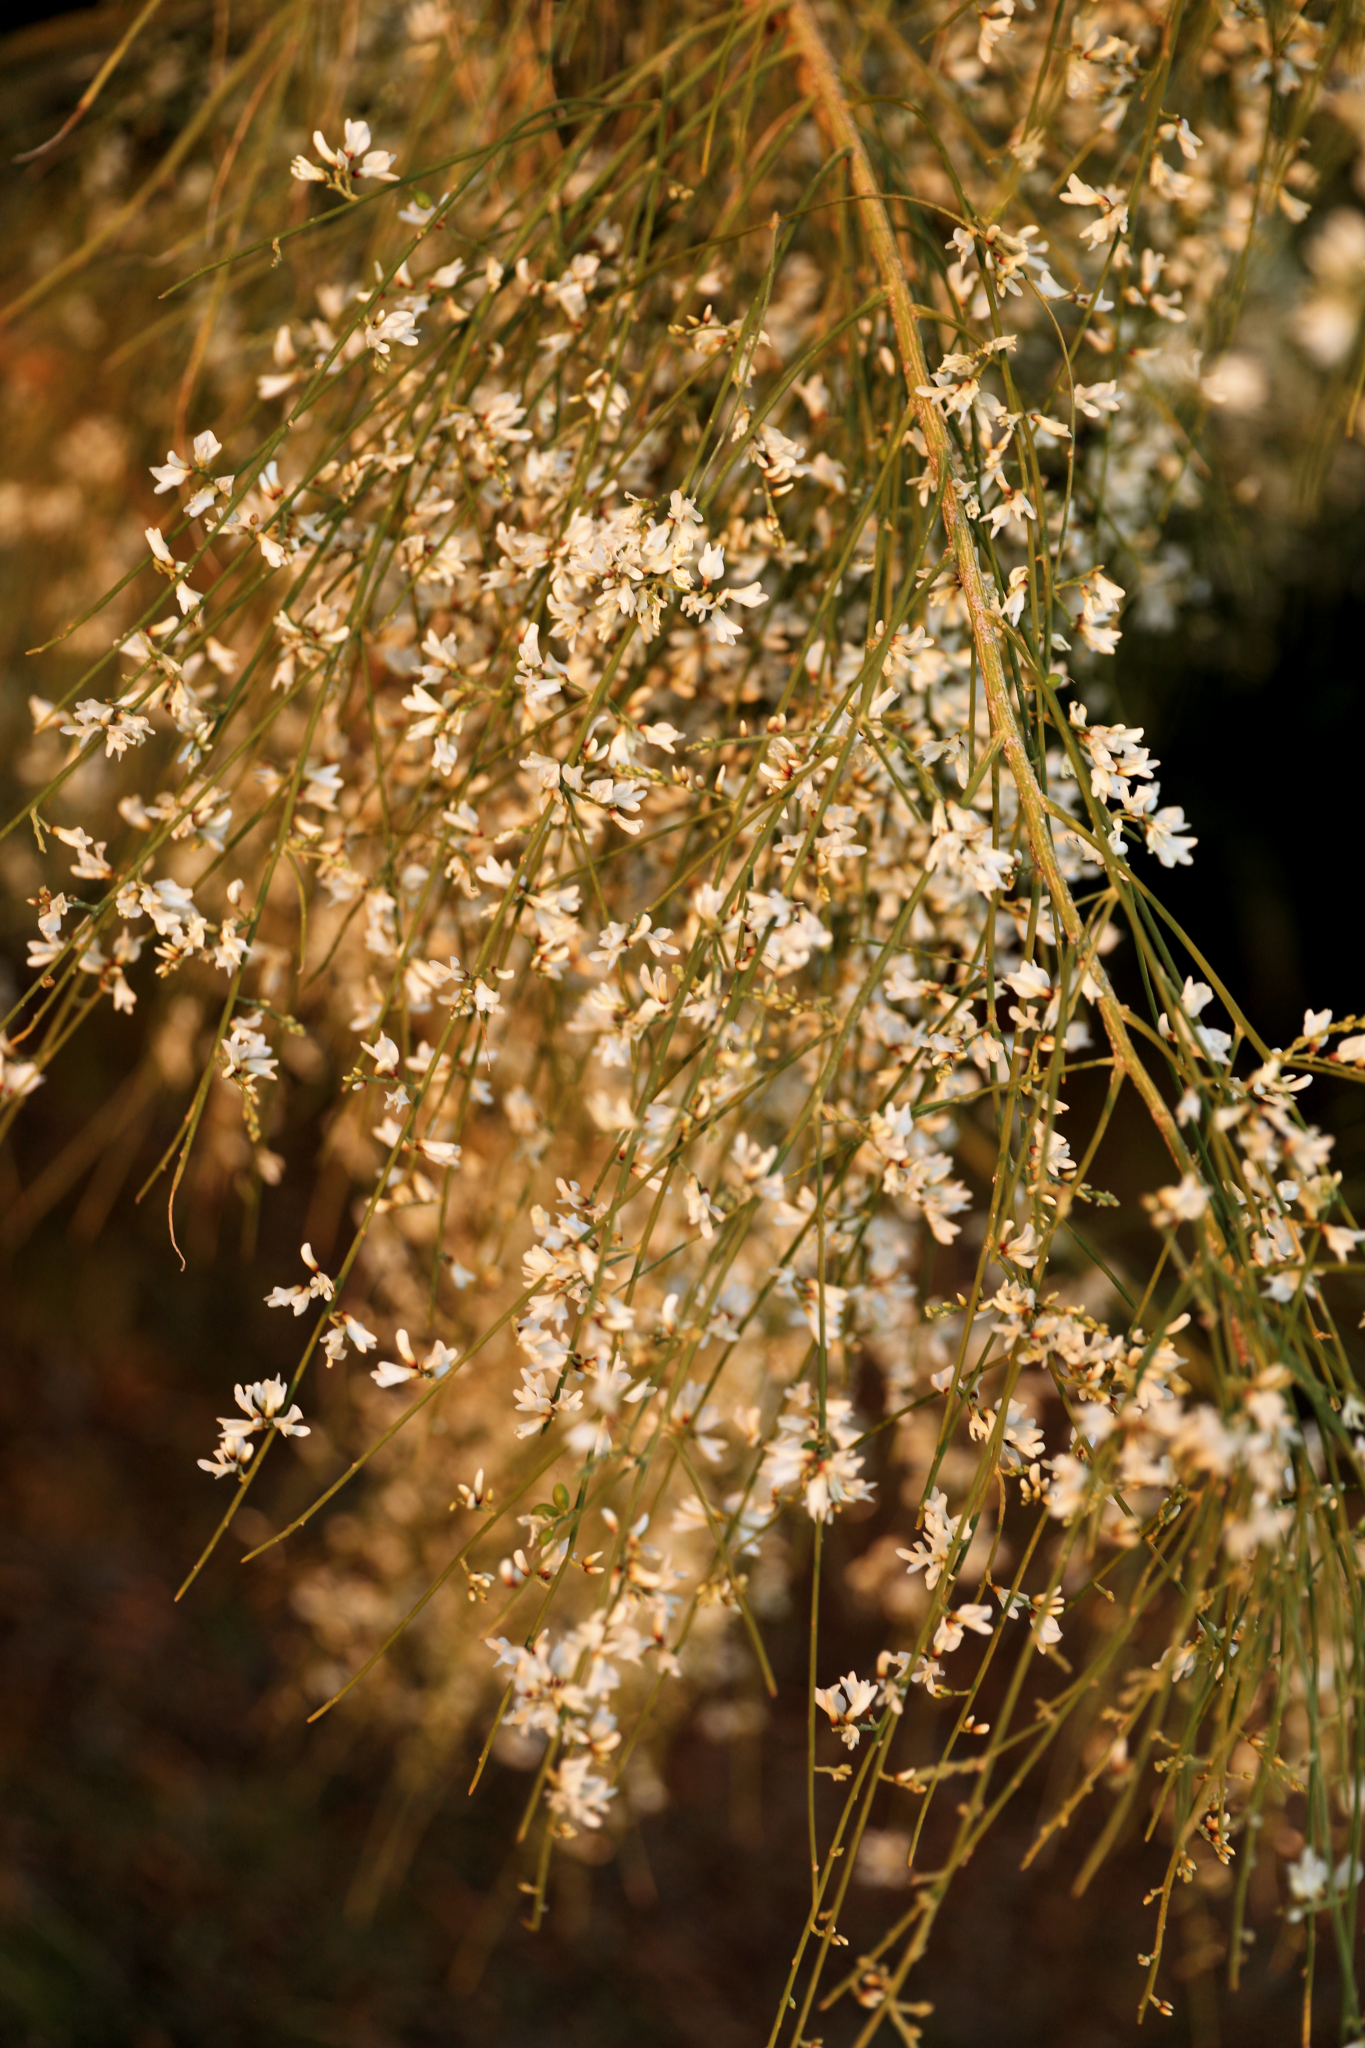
[[182, 1860]]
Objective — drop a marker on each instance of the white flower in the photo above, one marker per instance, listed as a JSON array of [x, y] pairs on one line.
[[320, 1287], [17, 1077], [232, 1456], [391, 1373], [169, 476], [373, 163], [971, 1615], [1183, 1203], [1095, 400], [1308, 1878], [384, 1053], [537, 1400], [439, 1151], [1030, 982], [1113, 210], [119, 729], [825, 1469], [1168, 837], [246, 1053], [1046, 1608], [578, 1796], [846, 1703], [397, 325], [262, 1406], [1195, 997], [930, 1555]]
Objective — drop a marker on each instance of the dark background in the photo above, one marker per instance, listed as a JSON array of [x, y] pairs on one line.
[[24, 13]]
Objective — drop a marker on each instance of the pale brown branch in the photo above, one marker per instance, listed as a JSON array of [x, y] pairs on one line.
[[95, 87], [820, 81]]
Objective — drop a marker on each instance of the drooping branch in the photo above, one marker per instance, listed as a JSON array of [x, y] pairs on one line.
[[821, 83]]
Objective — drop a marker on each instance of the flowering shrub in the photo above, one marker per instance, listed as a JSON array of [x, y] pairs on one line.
[[624, 725]]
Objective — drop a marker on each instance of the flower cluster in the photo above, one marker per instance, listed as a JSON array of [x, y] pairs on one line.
[[618, 758]]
